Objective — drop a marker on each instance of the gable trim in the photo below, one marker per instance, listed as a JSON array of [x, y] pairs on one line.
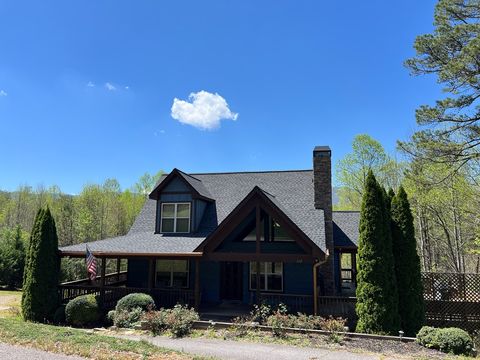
[[155, 194], [257, 197]]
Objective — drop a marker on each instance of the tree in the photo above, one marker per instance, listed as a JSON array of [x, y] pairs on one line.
[[40, 297], [451, 128], [351, 171], [12, 257], [407, 265], [146, 183], [377, 298]]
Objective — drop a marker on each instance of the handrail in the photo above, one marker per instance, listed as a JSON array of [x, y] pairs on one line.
[[97, 278]]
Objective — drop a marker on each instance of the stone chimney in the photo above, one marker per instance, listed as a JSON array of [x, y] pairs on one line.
[[322, 183]]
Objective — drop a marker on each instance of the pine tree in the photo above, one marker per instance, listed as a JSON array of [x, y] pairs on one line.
[[377, 298], [40, 297], [407, 266]]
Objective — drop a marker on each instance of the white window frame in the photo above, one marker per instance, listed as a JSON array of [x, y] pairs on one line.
[[175, 216], [171, 273], [265, 274]]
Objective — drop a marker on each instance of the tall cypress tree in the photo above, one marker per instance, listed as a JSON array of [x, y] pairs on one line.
[[377, 298], [40, 297], [407, 266]]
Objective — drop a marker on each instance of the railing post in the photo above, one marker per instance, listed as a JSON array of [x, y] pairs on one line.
[[102, 280], [118, 269]]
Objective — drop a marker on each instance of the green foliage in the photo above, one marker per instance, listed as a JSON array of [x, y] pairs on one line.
[[12, 257], [279, 321], [135, 300], [127, 318], [450, 128], [178, 320], [40, 297], [377, 297], [448, 340], [351, 171], [83, 310], [110, 317], [407, 266]]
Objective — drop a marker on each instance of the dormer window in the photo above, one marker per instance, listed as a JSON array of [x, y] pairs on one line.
[[175, 218]]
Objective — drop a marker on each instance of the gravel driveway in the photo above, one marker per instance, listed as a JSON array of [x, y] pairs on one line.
[[12, 352], [228, 349]]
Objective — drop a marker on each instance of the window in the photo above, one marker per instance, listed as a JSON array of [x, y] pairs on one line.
[[171, 274], [271, 276], [279, 233], [175, 218], [252, 236]]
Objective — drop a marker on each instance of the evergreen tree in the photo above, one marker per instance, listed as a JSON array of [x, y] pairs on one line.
[[40, 297], [377, 298], [12, 257], [407, 266]]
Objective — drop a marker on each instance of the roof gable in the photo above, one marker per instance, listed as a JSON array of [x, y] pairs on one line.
[[268, 203], [195, 185]]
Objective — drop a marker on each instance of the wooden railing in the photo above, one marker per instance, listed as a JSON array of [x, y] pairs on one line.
[[295, 303], [111, 294], [110, 279]]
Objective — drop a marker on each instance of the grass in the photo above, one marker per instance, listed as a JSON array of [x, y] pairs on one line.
[[15, 331]]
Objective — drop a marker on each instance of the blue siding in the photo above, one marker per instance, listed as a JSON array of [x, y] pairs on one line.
[[297, 278], [199, 209], [210, 281], [175, 185], [137, 275]]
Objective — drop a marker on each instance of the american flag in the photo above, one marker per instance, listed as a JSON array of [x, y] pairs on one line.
[[91, 262]]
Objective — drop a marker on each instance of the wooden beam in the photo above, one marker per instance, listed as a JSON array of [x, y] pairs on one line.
[[118, 268], [151, 264], [197, 284], [272, 257], [114, 255], [102, 280]]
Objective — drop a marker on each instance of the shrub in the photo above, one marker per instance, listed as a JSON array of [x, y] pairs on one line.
[[448, 340], [156, 321], [110, 317], [336, 327], [41, 275], [308, 322], [136, 300], [59, 315], [260, 313], [180, 320], [279, 321], [83, 310], [127, 319]]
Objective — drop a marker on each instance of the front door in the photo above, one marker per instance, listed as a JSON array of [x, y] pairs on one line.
[[231, 282]]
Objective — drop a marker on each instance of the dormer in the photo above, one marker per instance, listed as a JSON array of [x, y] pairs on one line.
[[181, 202]]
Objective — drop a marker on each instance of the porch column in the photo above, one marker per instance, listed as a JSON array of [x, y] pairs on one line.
[[258, 235], [197, 284], [151, 264], [102, 279], [118, 269]]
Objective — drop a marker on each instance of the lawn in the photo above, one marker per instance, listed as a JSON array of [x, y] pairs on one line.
[[13, 330]]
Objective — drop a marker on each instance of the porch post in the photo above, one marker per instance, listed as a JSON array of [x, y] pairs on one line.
[[150, 273], [102, 280], [258, 235], [197, 284], [354, 268], [118, 269]]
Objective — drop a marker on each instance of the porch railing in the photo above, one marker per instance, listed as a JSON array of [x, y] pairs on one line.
[[295, 303], [162, 297], [110, 279]]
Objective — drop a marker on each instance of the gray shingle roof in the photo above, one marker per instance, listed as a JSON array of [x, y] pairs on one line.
[[292, 192], [345, 228]]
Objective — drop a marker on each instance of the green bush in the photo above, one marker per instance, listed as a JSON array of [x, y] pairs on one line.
[[178, 320], [279, 321], [136, 300], [127, 319], [83, 310], [59, 315], [110, 317], [448, 340], [156, 321]]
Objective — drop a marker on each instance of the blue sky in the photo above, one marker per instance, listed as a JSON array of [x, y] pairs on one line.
[[88, 86]]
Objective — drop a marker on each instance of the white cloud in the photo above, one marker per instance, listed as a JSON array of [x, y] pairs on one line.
[[127, 87], [203, 110], [110, 86], [90, 84], [3, 93]]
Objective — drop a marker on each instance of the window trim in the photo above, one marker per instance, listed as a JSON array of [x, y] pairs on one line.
[[250, 273], [175, 217], [171, 274]]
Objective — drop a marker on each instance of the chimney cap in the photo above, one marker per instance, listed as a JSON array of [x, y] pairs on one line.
[[324, 148]]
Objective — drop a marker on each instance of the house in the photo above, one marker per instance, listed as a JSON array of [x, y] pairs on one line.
[[238, 238]]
